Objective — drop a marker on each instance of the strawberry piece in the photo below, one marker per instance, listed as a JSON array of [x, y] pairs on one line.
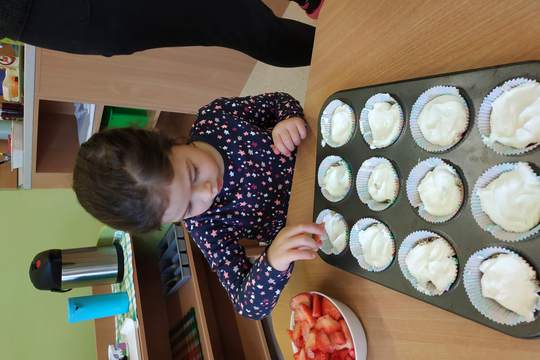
[[305, 313], [340, 355], [303, 298], [322, 356], [327, 324], [296, 335], [337, 338], [300, 355], [290, 333], [329, 309], [348, 339], [305, 329], [323, 343], [352, 354], [316, 306], [311, 344]]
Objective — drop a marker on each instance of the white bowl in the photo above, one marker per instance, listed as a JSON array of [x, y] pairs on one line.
[[353, 323]]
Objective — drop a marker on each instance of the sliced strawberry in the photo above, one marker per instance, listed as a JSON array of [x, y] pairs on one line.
[[303, 298], [296, 335], [316, 312], [311, 344], [323, 343], [305, 313], [300, 355], [340, 355], [327, 324], [348, 339], [290, 333], [337, 338], [305, 329], [322, 356], [329, 309], [352, 354]]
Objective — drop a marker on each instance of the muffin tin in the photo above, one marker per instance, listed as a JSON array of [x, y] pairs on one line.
[[470, 157]]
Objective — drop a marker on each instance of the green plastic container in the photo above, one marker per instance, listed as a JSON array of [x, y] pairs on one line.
[[116, 117]]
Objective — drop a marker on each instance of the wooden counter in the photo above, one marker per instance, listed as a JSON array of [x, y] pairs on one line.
[[360, 43]]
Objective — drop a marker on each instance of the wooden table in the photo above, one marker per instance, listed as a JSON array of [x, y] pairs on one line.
[[360, 43]]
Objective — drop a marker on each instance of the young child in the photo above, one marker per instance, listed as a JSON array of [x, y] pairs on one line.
[[231, 182]]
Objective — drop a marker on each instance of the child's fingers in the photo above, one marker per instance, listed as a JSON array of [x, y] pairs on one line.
[[294, 255], [302, 129], [275, 149], [295, 135], [286, 138], [315, 229], [302, 241], [280, 146]]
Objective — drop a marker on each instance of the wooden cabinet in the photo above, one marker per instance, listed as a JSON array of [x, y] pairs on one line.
[[172, 82]]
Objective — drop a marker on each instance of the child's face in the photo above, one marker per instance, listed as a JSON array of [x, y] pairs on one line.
[[198, 178]]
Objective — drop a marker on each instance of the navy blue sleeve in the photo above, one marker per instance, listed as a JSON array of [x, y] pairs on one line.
[[254, 289], [264, 110]]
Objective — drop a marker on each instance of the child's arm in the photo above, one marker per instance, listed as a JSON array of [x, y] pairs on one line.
[[253, 288], [265, 110]]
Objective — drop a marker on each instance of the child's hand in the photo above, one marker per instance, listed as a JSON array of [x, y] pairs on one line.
[[294, 243], [288, 134]]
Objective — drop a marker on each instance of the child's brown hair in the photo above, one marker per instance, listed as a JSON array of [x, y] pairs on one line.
[[121, 177]]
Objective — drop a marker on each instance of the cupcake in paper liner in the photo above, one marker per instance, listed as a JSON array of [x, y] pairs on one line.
[[502, 286], [509, 117], [377, 183], [428, 262], [381, 121], [334, 178], [506, 201], [337, 124], [336, 232], [372, 244], [435, 188], [439, 118]]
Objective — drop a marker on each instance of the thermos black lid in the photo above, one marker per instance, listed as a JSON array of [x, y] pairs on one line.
[[46, 270]]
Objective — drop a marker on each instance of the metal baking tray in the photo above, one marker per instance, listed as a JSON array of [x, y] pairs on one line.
[[470, 157]]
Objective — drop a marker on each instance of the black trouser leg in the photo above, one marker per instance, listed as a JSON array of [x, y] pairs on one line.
[[114, 27]]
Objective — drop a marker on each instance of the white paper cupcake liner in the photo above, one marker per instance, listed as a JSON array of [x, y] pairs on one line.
[[484, 118], [482, 219], [422, 100], [326, 123], [323, 167], [407, 245], [365, 129], [327, 247], [362, 179], [356, 247], [472, 282], [415, 177]]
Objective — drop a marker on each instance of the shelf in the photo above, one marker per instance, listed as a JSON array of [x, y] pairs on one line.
[[57, 139]]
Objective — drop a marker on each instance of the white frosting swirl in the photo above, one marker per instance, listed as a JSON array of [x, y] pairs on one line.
[[440, 191], [337, 180], [433, 262], [377, 246], [383, 182], [384, 121], [512, 200], [510, 281], [443, 120], [336, 231], [342, 125], [515, 117]]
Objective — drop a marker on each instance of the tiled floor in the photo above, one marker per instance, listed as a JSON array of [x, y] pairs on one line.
[[266, 78]]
